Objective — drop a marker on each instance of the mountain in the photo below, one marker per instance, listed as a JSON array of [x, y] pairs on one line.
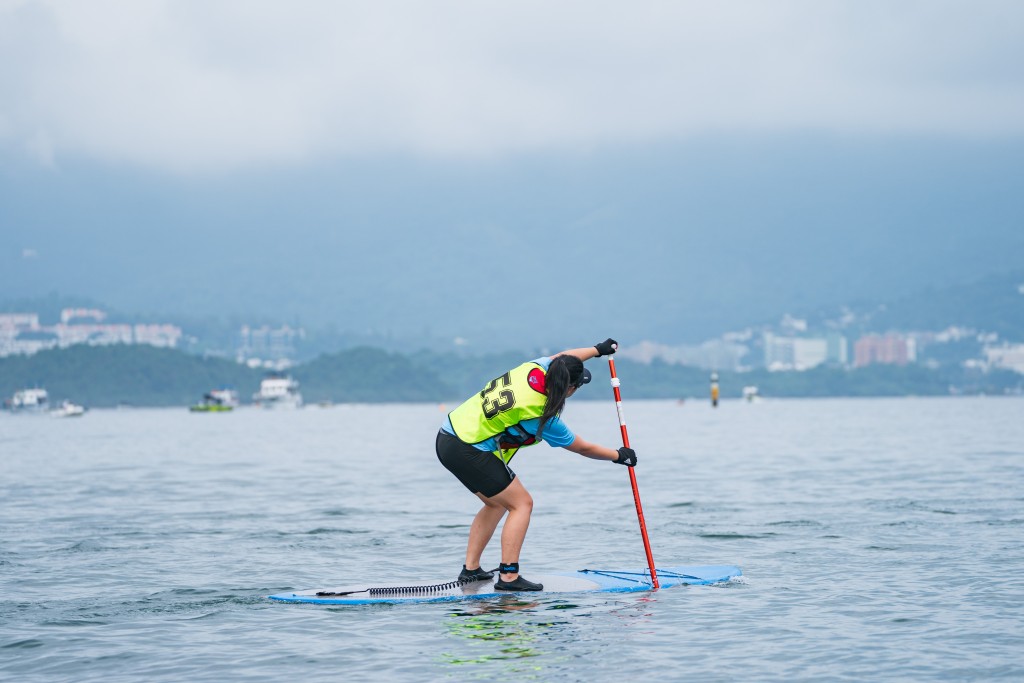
[[992, 304], [675, 243]]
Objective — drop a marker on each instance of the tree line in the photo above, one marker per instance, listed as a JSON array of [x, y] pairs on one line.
[[108, 376]]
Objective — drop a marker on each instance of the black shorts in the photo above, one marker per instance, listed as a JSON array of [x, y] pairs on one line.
[[479, 471]]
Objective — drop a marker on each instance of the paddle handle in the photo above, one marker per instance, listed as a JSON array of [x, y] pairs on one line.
[[632, 474]]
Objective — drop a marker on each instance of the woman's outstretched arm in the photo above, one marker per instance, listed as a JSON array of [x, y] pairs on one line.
[[605, 348]]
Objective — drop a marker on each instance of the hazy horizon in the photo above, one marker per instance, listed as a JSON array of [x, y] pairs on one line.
[[509, 175]]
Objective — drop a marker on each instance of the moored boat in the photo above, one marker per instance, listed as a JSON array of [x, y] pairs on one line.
[[68, 409], [217, 401], [278, 390], [29, 401]]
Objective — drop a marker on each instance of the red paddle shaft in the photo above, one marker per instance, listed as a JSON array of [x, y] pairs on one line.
[[632, 474]]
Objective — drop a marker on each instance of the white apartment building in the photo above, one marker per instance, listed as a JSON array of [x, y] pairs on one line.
[[1007, 356], [802, 353], [21, 333]]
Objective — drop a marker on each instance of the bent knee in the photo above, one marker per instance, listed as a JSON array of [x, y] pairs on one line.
[[523, 503]]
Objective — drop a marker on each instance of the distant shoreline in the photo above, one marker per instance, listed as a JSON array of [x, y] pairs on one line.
[[142, 376]]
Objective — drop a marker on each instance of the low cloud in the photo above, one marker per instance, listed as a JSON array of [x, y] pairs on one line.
[[209, 85]]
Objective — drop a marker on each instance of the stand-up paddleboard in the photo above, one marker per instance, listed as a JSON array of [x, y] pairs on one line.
[[582, 581]]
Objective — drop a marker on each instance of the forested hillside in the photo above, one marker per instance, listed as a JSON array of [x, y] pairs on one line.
[[145, 376]]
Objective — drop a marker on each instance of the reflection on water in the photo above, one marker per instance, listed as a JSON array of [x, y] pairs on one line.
[[502, 633]]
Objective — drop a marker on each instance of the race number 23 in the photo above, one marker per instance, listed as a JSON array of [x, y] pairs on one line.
[[501, 401]]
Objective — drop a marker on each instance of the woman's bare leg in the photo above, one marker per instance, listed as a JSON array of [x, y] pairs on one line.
[[519, 503], [484, 524]]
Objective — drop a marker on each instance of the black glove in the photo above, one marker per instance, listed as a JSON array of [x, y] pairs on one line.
[[627, 456], [607, 347]]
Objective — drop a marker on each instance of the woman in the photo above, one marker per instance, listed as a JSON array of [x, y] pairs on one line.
[[479, 438]]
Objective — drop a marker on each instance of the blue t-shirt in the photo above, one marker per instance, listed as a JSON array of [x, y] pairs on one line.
[[556, 432]]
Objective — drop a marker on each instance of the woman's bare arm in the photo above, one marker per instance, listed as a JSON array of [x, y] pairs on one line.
[[592, 450], [584, 354]]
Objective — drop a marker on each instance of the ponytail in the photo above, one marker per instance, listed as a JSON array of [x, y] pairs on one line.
[[561, 376]]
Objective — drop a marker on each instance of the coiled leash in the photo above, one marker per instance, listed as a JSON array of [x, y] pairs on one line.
[[402, 590]]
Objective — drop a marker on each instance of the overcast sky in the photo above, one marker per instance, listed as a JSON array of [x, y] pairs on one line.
[[212, 85]]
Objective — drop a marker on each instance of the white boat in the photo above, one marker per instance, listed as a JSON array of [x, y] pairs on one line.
[[750, 393], [68, 409], [29, 401], [278, 391]]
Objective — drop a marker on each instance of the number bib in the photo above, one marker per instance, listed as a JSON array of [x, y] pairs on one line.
[[516, 396]]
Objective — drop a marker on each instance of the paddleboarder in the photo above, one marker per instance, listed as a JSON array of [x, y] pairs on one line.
[[479, 438]]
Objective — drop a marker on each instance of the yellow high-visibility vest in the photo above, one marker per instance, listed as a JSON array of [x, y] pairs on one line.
[[498, 410]]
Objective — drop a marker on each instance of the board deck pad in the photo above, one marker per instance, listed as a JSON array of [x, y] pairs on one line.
[[584, 580]]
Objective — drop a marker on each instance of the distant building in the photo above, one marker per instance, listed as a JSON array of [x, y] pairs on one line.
[[890, 349], [94, 314], [21, 333], [93, 334], [268, 343], [838, 349], [1007, 356], [802, 353], [19, 321], [157, 335]]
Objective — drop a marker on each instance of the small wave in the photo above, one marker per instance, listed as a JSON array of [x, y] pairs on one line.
[[207, 615], [795, 522], [75, 622], [27, 644], [186, 591], [325, 530], [999, 522], [734, 582], [923, 507], [85, 546], [729, 535], [186, 603]]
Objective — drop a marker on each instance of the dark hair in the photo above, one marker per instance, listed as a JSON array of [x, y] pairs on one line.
[[562, 375]]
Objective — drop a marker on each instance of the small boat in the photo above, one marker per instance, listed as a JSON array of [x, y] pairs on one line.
[[29, 401], [68, 409], [217, 401], [278, 390], [750, 394]]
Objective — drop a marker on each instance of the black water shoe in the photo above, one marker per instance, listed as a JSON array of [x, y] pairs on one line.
[[478, 574], [520, 584]]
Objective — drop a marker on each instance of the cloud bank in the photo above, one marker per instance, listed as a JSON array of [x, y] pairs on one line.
[[209, 85]]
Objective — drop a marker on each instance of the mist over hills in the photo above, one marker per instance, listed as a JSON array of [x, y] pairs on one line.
[[676, 243]]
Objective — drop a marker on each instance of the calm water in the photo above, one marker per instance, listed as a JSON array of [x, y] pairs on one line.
[[880, 540]]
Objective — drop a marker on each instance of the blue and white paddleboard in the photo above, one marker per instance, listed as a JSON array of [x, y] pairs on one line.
[[585, 580]]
